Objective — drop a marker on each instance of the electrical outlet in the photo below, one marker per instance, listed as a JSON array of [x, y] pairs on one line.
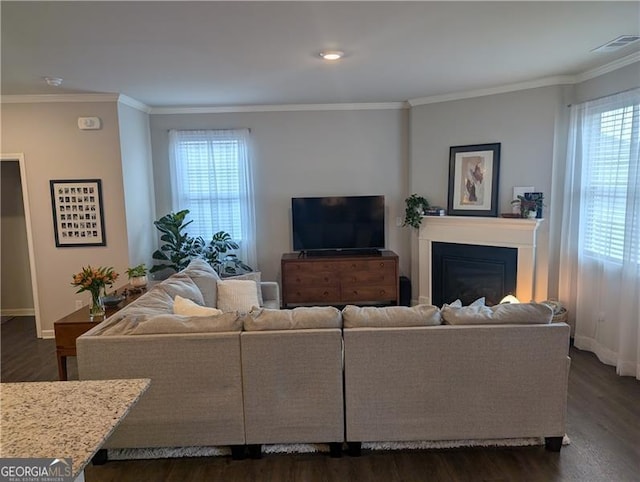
[[79, 304]]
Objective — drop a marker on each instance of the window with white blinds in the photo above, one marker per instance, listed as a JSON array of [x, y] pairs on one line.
[[610, 166], [211, 177]]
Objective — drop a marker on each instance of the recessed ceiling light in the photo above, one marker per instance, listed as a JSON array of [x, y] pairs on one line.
[[332, 54], [53, 81]]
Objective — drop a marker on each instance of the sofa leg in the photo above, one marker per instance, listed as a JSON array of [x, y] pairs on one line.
[[101, 457], [255, 451], [354, 449], [553, 444], [238, 452], [335, 450]]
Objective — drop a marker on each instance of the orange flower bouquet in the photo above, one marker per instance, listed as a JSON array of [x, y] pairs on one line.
[[94, 280]]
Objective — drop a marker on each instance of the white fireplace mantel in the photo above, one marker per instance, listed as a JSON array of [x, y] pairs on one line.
[[503, 232]]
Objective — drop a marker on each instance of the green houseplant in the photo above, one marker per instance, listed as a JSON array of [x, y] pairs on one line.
[[138, 275], [415, 208], [179, 248]]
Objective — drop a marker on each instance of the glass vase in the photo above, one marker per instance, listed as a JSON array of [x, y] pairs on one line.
[[97, 306]]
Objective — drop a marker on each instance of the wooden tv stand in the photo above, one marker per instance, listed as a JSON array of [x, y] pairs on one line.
[[340, 279]]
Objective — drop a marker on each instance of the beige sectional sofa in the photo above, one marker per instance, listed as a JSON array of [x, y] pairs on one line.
[[321, 375]]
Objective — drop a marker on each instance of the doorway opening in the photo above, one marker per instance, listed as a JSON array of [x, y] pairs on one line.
[[18, 286]]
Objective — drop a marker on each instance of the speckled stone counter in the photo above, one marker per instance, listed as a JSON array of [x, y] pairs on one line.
[[64, 419]]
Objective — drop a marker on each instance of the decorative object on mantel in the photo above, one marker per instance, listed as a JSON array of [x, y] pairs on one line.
[[473, 180], [78, 219], [94, 280], [415, 209], [530, 205], [515, 203], [138, 276]]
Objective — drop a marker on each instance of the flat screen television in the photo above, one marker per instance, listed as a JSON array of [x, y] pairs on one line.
[[337, 223]]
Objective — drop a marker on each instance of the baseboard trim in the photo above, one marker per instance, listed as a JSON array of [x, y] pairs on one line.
[[48, 334], [18, 312]]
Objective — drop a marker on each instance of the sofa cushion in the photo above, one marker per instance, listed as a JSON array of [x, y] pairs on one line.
[[237, 295], [300, 318], [185, 307], [166, 324], [205, 278], [181, 284], [507, 313], [255, 276], [390, 316]]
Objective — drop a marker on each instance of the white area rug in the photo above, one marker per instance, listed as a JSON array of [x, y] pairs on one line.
[[176, 452]]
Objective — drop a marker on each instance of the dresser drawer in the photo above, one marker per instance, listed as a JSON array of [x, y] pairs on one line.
[[303, 294], [368, 277], [368, 293], [386, 265], [292, 280]]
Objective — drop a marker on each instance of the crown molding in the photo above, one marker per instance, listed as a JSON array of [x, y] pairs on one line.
[[610, 67], [501, 89], [533, 84], [131, 102], [46, 98], [279, 108]]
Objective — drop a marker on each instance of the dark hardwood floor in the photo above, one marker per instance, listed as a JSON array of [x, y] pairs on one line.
[[603, 424]]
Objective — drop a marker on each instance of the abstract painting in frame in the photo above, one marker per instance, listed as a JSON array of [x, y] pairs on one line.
[[78, 219], [473, 180]]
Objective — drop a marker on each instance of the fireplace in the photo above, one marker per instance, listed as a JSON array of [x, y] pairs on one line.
[[518, 235], [468, 272]]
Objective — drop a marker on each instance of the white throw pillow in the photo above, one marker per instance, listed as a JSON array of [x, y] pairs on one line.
[[237, 295], [186, 307], [255, 276]]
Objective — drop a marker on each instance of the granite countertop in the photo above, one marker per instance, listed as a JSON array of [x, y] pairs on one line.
[[64, 419]]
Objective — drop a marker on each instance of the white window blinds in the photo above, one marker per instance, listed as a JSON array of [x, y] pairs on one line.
[[211, 177], [611, 191]]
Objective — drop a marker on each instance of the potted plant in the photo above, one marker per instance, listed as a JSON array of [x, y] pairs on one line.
[[138, 276], [530, 206], [180, 248], [415, 208]]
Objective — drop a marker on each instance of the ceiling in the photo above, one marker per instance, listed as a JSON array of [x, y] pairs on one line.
[[185, 54]]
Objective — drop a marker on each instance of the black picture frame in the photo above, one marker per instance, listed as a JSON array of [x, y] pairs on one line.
[[78, 217], [474, 174]]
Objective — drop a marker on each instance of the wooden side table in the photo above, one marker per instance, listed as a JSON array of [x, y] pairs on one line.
[[70, 327]]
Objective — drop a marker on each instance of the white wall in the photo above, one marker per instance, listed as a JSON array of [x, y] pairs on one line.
[[613, 82], [139, 196], [523, 122], [316, 153], [16, 298], [54, 148]]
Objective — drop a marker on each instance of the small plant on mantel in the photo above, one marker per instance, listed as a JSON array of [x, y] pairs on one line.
[[415, 208]]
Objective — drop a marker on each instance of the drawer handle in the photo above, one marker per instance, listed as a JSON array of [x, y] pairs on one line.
[[326, 278], [326, 293]]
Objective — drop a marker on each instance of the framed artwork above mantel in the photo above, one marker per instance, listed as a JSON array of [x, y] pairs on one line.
[[78, 218], [473, 180]]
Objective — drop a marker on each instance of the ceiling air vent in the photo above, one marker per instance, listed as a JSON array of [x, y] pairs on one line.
[[617, 43]]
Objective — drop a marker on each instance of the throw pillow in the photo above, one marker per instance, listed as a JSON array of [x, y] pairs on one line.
[[508, 313], [180, 284], [237, 295], [255, 276], [390, 316], [205, 278], [300, 318], [183, 306]]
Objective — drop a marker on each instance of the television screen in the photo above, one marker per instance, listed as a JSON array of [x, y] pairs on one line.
[[344, 222]]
